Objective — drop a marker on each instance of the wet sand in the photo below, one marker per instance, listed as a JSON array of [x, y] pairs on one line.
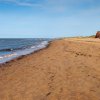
[[69, 69]]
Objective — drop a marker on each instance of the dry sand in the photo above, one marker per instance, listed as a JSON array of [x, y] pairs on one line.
[[69, 69]]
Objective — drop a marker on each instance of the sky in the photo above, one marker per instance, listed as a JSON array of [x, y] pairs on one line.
[[49, 18]]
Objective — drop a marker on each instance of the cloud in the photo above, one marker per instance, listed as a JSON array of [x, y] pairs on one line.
[[29, 3], [56, 5], [48, 2]]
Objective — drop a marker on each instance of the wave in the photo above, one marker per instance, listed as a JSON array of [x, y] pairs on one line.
[[8, 55], [11, 49], [8, 49], [17, 52], [42, 44]]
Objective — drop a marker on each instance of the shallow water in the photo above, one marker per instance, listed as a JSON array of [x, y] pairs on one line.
[[12, 48]]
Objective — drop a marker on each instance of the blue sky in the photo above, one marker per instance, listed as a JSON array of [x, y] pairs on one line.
[[48, 18]]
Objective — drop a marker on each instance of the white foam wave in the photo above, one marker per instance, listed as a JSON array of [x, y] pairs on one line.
[[8, 55]]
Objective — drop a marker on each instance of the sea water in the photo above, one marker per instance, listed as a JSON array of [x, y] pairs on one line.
[[13, 48]]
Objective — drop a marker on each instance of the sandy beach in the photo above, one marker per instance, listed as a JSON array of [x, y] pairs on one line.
[[68, 69]]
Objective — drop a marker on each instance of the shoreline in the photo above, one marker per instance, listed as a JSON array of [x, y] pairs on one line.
[[67, 69], [22, 56]]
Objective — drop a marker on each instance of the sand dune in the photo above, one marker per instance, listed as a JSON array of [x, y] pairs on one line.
[[69, 69]]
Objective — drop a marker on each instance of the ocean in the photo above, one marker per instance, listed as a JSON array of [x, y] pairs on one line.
[[13, 48]]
